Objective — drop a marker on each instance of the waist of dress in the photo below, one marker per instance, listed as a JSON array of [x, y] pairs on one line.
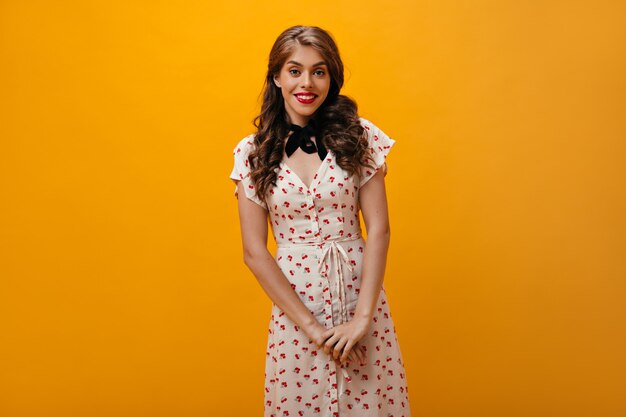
[[320, 243]]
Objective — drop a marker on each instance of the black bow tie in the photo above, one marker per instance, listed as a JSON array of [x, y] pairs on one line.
[[301, 138]]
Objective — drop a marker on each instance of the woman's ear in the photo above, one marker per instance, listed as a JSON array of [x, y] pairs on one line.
[[276, 81]]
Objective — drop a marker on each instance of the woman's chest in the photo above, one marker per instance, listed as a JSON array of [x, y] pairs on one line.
[[331, 190]]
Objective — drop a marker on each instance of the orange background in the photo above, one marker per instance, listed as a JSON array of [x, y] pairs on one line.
[[122, 286]]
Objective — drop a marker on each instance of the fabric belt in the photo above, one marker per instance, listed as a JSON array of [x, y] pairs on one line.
[[334, 253]]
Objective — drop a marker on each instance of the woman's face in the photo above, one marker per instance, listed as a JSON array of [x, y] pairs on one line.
[[303, 75]]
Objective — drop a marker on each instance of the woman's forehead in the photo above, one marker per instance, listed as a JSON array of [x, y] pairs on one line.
[[305, 56]]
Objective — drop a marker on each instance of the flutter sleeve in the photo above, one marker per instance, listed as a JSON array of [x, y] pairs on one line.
[[241, 170], [379, 146]]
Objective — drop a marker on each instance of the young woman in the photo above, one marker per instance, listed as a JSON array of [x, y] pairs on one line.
[[310, 167]]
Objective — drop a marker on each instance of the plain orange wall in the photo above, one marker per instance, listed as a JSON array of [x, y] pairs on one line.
[[123, 291]]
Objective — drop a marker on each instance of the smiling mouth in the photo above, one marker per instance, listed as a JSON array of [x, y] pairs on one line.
[[306, 98]]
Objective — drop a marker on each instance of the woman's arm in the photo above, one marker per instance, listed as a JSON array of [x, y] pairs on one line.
[[254, 232], [373, 202]]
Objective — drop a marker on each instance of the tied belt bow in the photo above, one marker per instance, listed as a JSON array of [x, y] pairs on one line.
[[336, 252]]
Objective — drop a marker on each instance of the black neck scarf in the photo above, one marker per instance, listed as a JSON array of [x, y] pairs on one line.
[[301, 138]]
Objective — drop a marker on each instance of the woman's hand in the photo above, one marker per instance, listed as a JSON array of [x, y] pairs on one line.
[[319, 335], [343, 338]]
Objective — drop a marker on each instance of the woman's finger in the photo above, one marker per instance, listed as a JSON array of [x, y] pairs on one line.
[[347, 349], [339, 347], [328, 345], [360, 352], [328, 333]]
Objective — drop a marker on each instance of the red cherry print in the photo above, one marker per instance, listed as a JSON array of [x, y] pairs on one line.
[[304, 220]]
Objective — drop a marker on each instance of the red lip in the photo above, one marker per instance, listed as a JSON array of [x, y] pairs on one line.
[[305, 94]]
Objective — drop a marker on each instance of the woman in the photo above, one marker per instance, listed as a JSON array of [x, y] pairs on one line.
[[312, 164]]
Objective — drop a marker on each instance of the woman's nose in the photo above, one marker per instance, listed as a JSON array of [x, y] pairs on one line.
[[306, 79]]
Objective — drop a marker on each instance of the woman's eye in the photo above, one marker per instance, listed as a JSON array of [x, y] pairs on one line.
[[291, 71], [320, 72]]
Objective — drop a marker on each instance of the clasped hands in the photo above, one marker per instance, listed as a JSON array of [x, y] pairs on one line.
[[342, 341]]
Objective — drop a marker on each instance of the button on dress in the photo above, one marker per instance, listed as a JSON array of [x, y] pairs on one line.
[[320, 250]]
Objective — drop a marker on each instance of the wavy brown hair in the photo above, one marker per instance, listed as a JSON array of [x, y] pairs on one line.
[[337, 119]]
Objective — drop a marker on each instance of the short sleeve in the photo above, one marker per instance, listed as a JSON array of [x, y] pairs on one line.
[[379, 146], [241, 170]]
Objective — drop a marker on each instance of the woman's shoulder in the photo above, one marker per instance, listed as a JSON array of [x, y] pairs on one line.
[[244, 145], [369, 126], [366, 122], [373, 131]]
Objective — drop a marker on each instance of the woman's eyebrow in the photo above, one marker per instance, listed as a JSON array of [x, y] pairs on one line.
[[315, 65]]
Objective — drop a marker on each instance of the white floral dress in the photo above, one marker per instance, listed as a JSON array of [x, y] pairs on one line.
[[320, 251]]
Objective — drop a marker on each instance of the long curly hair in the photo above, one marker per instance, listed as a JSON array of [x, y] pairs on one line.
[[337, 119]]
